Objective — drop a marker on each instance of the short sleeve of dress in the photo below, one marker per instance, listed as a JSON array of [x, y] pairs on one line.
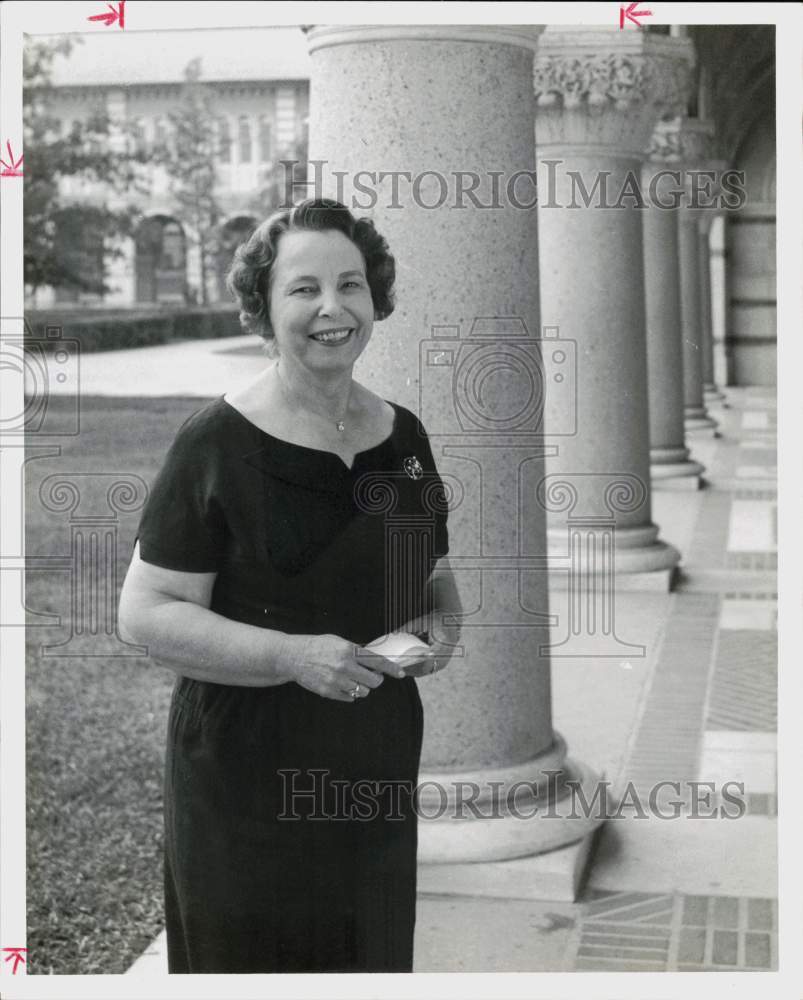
[[436, 496], [182, 526]]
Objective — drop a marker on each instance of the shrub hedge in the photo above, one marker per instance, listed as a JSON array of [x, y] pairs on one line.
[[112, 330]]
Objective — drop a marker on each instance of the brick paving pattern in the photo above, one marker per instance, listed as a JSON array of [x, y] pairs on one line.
[[651, 932], [744, 685], [667, 743]]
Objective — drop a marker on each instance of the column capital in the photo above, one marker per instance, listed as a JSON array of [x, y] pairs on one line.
[[321, 36], [696, 142], [604, 89], [697, 147]]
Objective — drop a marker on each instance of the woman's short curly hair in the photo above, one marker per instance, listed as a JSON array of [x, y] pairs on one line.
[[249, 276]]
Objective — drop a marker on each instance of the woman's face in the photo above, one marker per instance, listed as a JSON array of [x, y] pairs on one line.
[[321, 309]]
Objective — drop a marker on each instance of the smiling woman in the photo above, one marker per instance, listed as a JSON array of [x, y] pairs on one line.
[[263, 570]]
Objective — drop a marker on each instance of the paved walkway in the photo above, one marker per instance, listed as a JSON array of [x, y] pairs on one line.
[[660, 895]]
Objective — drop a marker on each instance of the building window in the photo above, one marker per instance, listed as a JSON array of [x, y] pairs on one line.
[[172, 246], [80, 248], [138, 136], [265, 150], [224, 137], [244, 139], [160, 265], [160, 133]]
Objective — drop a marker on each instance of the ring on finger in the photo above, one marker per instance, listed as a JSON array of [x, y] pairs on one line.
[[355, 691]]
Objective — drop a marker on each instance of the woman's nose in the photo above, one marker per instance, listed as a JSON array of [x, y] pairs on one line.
[[331, 304]]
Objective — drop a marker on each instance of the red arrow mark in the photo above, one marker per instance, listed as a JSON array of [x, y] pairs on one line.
[[16, 954], [11, 169], [112, 14], [631, 14]]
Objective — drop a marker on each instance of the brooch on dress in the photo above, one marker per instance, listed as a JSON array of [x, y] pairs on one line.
[[413, 467]]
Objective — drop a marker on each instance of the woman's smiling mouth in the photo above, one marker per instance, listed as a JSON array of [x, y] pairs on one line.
[[338, 336]]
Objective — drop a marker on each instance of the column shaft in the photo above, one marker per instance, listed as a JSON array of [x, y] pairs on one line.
[[711, 394], [696, 137], [600, 95], [403, 111], [670, 466], [697, 419]]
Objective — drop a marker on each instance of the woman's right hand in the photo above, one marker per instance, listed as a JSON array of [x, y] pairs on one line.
[[331, 666]]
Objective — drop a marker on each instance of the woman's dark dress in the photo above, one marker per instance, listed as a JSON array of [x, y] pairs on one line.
[[304, 545]]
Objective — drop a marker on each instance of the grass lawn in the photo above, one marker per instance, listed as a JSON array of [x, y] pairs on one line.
[[96, 723]]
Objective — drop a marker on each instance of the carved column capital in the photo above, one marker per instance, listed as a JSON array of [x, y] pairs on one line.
[[602, 89]]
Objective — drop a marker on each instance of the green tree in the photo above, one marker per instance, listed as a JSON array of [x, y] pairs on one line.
[[282, 181], [190, 156], [69, 241]]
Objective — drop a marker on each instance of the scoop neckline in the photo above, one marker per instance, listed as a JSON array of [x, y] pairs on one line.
[[321, 451]]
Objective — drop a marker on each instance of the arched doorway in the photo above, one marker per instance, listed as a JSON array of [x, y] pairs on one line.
[[232, 234], [161, 261]]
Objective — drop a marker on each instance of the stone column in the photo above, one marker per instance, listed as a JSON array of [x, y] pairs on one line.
[[670, 465], [438, 123], [719, 298], [600, 93], [695, 138], [711, 394]]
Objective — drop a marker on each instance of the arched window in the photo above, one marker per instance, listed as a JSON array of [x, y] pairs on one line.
[[172, 246], [265, 147], [160, 260], [224, 138], [244, 139]]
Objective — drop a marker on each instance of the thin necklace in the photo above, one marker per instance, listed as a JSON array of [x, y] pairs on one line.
[[339, 424]]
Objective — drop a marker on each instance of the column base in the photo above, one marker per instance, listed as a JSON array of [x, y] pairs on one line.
[[672, 469], [687, 480], [496, 814], [552, 876], [706, 431], [696, 420], [640, 560], [712, 394]]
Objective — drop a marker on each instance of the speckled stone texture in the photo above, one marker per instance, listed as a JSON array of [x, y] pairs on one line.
[[447, 105], [669, 456]]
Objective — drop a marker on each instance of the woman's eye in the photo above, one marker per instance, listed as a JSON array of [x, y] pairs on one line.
[[354, 284], [303, 288]]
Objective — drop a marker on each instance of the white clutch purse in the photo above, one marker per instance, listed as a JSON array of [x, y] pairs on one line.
[[400, 647]]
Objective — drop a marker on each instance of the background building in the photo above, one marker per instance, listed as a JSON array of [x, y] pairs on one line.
[[260, 100]]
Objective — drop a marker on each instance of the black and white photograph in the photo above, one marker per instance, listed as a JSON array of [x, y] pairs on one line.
[[399, 436]]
